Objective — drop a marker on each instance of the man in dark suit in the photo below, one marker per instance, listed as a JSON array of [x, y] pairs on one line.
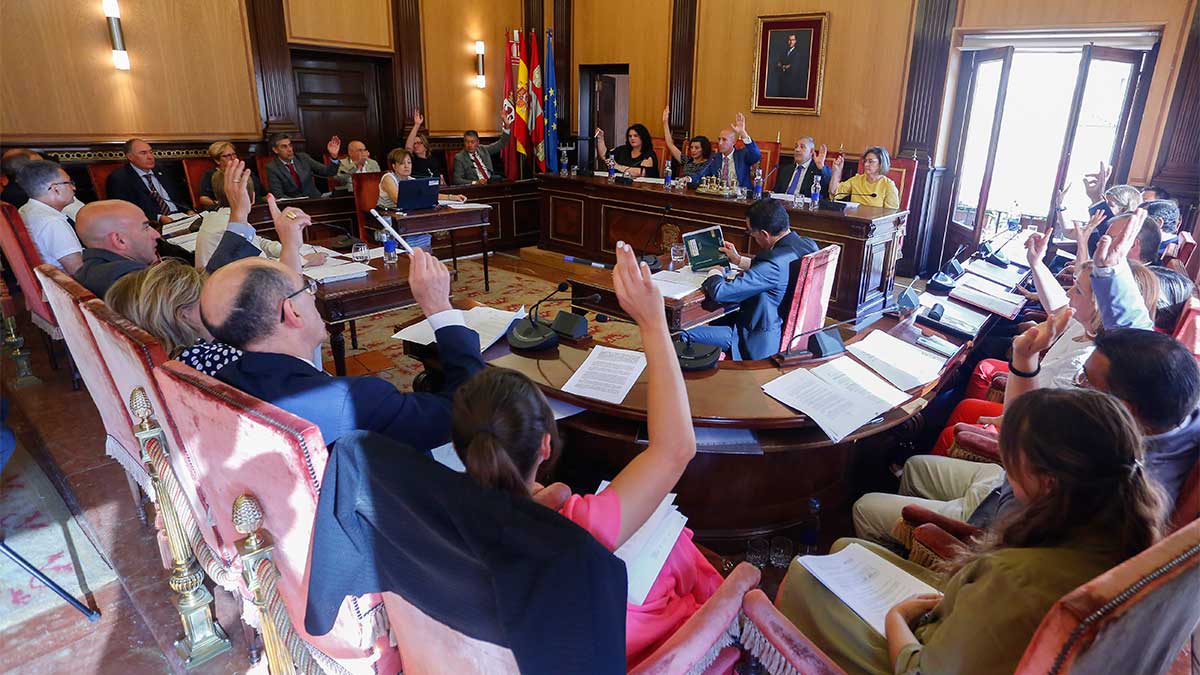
[[797, 178], [119, 239], [269, 311], [756, 326], [789, 77], [140, 182], [290, 174], [729, 161], [473, 164]]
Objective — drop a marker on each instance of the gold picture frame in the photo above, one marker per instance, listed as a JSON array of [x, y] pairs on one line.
[[789, 63]]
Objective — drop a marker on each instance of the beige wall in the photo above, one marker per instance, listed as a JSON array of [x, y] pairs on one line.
[[347, 24], [449, 29], [191, 75], [1173, 15], [866, 64], [637, 32]]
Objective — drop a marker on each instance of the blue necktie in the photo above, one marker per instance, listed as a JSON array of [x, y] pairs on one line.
[[796, 176]]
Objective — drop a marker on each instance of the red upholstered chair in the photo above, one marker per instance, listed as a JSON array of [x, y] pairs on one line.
[[903, 173], [22, 257], [193, 170], [664, 155], [240, 445], [807, 296], [1187, 330], [99, 173], [366, 195], [65, 296], [262, 161], [1179, 253], [448, 155], [777, 643]]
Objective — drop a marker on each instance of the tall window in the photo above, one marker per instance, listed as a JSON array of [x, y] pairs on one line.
[[1031, 120]]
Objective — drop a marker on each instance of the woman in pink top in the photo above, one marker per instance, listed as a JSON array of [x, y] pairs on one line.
[[503, 430]]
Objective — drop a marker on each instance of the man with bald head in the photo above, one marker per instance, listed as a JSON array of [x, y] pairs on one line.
[[269, 311], [806, 167], [730, 162], [357, 160], [141, 182], [119, 239]]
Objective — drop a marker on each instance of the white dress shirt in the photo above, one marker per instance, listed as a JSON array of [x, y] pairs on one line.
[[50, 230], [158, 186]]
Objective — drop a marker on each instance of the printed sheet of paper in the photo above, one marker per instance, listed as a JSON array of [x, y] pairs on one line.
[[490, 323], [646, 551], [186, 241], [1005, 276], [954, 313], [867, 583], [998, 306], [336, 269], [990, 287], [676, 285], [858, 381], [309, 249], [180, 222], [899, 362], [839, 412], [607, 374], [466, 206]]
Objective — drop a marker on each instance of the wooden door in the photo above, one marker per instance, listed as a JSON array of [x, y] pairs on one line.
[[339, 94]]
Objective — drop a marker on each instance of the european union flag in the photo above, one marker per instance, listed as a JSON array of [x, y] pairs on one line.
[[550, 108]]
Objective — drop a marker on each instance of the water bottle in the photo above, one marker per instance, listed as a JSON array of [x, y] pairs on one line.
[[612, 167], [815, 192], [1014, 217], [810, 528], [563, 163], [758, 184], [390, 255], [667, 175]]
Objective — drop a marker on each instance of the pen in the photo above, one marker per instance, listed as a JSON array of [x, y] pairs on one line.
[[581, 261]]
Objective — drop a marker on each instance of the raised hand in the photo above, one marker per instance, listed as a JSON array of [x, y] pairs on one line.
[[289, 223], [739, 125], [599, 133], [1116, 244], [839, 164], [1094, 182], [1028, 346], [430, 282], [237, 178], [666, 115], [333, 147], [636, 292], [822, 152], [1035, 248], [418, 118], [731, 252]]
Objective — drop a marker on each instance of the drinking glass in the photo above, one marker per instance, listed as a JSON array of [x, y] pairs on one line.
[[360, 253], [781, 551], [758, 552], [677, 256]]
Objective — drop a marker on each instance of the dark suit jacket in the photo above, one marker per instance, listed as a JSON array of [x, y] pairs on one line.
[[125, 183], [283, 185], [101, 268], [784, 178], [464, 168], [758, 290], [788, 81], [498, 567], [339, 405], [743, 159]]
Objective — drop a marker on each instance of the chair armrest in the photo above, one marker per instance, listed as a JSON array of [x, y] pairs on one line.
[[932, 545], [996, 389], [771, 638], [702, 637], [975, 443]]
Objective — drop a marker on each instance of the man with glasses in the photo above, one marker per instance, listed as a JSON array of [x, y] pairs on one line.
[[49, 214], [269, 311], [141, 182], [224, 154]]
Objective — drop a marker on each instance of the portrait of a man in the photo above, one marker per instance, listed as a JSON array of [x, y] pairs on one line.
[[789, 65]]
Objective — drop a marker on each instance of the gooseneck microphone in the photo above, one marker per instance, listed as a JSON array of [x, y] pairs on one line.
[[561, 288]]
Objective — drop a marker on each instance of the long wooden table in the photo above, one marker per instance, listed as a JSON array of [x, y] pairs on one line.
[[587, 216]]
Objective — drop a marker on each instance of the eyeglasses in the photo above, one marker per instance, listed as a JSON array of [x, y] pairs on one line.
[[228, 155], [64, 182], [309, 287], [1081, 379]]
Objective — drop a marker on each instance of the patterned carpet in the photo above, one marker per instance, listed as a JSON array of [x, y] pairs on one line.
[[513, 285]]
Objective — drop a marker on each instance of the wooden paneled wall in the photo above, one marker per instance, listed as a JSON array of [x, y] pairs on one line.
[[191, 77], [340, 24], [1171, 15], [449, 29]]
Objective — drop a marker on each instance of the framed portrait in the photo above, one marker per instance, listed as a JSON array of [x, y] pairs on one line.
[[789, 63]]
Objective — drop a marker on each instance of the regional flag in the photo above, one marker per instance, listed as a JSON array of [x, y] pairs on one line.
[[537, 122], [520, 129]]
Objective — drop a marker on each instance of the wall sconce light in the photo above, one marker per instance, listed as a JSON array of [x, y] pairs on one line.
[[120, 57], [480, 80]]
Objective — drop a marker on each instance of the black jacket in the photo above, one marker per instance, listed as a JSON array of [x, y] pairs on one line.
[[125, 183], [101, 268]]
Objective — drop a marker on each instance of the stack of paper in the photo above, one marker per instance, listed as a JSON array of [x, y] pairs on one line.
[[646, 551], [1005, 276], [990, 287], [186, 241], [954, 315], [336, 269], [676, 285], [462, 205], [180, 222], [903, 364], [490, 323], [1006, 307], [607, 374], [309, 249], [840, 395], [866, 582]]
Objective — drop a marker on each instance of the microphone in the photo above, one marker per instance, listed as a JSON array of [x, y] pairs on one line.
[[652, 261], [594, 297], [826, 345], [946, 278], [533, 311]]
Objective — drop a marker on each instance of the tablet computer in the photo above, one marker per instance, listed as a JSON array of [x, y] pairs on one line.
[[704, 248]]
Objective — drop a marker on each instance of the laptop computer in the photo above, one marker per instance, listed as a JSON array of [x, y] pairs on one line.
[[417, 193], [704, 248]]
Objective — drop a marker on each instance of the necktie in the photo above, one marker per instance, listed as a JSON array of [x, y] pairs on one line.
[[483, 172], [163, 207], [295, 176], [797, 175], [725, 169]]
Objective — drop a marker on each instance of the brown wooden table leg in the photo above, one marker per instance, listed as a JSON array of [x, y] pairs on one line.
[[453, 250], [337, 345], [487, 284]]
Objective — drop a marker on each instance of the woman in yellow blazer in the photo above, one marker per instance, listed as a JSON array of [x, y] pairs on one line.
[[869, 187]]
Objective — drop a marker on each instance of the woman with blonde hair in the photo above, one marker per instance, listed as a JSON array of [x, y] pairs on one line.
[[425, 160], [223, 154]]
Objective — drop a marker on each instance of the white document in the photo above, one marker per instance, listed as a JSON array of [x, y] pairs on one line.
[[839, 409], [676, 285], [867, 583], [488, 322], [901, 363], [607, 374], [1005, 276], [990, 287], [309, 249], [1005, 307], [186, 241], [462, 205], [336, 269], [646, 551], [860, 382], [954, 313], [180, 222]]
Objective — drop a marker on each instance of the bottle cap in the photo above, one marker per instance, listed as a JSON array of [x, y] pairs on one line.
[[389, 246]]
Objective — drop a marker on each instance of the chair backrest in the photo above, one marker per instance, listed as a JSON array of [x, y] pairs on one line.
[[65, 296], [131, 355], [1181, 249], [1187, 331], [1133, 618], [366, 195], [262, 161], [809, 287], [1187, 504], [904, 174], [22, 257], [664, 155], [448, 155], [99, 173], [241, 445], [193, 170]]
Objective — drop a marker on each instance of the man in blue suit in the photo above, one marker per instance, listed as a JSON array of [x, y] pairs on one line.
[[729, 160], [269, 311], [757, 326]]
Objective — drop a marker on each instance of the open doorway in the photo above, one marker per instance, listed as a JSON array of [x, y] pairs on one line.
[[603, 104], [1030, 122]]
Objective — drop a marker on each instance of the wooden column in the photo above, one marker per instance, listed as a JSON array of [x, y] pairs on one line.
[[1178, 165], [564, 18], [273, 67], [681, 82], [918, 136], [407, 73]]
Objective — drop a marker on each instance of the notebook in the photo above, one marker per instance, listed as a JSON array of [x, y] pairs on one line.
[[704, 248], [1004, 307]]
